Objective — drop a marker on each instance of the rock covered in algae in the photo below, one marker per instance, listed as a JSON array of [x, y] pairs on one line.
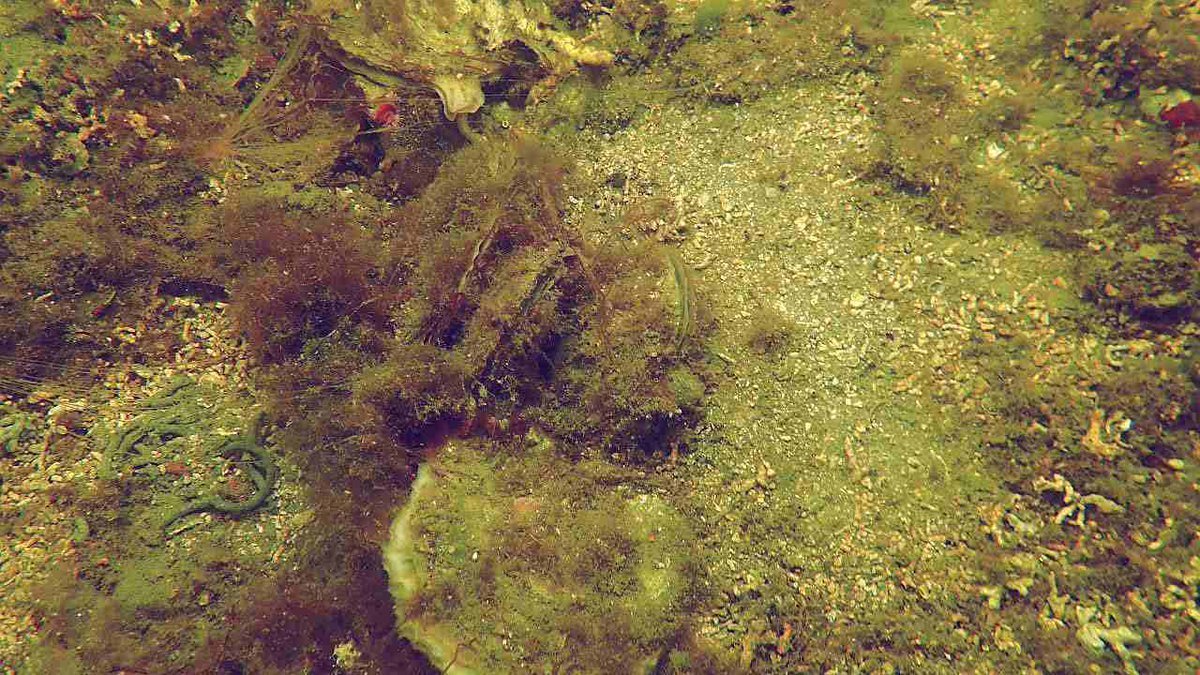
[[536, 564], [453, 46]]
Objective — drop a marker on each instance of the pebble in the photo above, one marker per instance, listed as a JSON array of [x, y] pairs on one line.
[[857, 300]]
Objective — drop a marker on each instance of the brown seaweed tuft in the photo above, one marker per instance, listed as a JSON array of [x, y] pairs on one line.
[[298, 277]]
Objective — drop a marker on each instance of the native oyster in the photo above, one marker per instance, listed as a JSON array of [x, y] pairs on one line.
[[453, 46], [496, 568]]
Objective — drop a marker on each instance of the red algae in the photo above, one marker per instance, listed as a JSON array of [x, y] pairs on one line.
[[1183, 115]]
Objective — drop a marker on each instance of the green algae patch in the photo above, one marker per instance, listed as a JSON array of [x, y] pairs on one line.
[[709, 15], [150, 584], [534, 563]]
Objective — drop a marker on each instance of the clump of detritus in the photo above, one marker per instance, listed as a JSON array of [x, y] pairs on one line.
[[761, 50], [919, 96], [656, 218], [1149, 272], [770, 332]]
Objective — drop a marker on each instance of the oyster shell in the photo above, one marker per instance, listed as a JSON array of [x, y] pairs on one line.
[[452, 46]]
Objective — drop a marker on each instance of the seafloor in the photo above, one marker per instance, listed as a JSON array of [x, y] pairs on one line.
[[599, 336]]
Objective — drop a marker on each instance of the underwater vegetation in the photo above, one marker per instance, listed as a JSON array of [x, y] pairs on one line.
[[763, 46], [297, 276], [408, 289], [504, 319], [123, 572], [212, 208], [1152, 273], [473, 311], [974, 155], [1082, 126], [1127, 50]]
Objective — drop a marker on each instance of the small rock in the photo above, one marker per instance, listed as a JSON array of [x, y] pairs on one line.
[[857, 300]]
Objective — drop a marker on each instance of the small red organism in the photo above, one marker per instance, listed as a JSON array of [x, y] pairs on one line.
[[175, 469], [1182, 115], [386, 115], [105, 304]]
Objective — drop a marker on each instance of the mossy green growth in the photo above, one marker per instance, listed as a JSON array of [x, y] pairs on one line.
[[514, 315], [12, 426], [761, 52], [148, 584], [15, 16], [531, 563], [919, 99], [686, 387], [1155, 281], [709, 16]]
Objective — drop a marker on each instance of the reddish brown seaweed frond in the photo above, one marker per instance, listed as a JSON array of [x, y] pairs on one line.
[[299, 279]]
